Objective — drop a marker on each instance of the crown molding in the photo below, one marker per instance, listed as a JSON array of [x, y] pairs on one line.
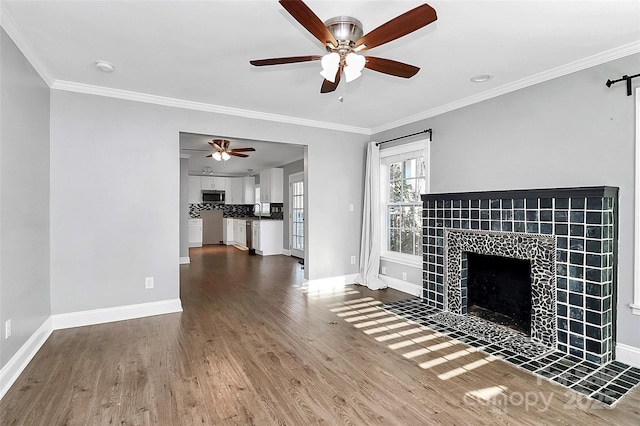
[[70, 86], [11, 28], [582, 64]]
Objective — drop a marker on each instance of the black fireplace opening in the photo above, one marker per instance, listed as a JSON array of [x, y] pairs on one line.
[[499, 290]]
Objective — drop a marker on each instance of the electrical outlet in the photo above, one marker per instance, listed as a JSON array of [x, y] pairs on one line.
[[353, 260], [384, 270], [350, 207], [148, 282], [404, 276], [7, 329]]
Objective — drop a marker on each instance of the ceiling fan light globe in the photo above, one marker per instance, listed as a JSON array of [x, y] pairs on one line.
[[216, 156], [355, 65], [350, 74], [225, 156], [330, 64]]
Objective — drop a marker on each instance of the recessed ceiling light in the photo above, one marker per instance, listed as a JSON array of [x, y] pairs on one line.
[[481, 78], [105, 66]]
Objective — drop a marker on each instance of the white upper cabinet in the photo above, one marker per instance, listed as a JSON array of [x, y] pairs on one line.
[[271, 186], [233, 191], [195, 191], [249, 190], [240, 190], [213, 183]]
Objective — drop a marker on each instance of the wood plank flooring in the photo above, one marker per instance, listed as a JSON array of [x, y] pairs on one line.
[[253, 346]]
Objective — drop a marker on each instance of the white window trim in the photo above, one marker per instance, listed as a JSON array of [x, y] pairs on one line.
[[635, 306], [390, 256]]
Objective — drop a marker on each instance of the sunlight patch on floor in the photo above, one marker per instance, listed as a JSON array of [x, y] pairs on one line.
[[467, 367], [412, 340], [486, 394], [324, 291]]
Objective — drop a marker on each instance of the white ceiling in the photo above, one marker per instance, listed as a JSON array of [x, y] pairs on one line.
[[199, 52]]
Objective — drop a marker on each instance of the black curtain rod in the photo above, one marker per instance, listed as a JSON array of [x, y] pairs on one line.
[[406, 136], [626, 78]]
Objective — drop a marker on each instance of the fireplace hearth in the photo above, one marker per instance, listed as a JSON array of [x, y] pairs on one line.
[[569, 237]]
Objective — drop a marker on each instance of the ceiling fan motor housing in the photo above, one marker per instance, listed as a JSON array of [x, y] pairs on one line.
[[347, 31]]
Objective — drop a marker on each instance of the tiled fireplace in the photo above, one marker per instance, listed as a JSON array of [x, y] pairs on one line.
[[569, 237]]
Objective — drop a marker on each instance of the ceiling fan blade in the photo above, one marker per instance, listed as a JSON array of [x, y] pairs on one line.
[[309, 20], [236, 154], [242, 149], [399, 26], [210, 155], [216, 146], [225, 144], [328, 86], [289, 60], [387, 66]]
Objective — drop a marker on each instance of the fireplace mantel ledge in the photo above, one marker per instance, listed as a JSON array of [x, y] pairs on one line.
[[635, 309]]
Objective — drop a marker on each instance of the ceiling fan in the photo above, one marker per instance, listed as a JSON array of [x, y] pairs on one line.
[[224, 153], [343, 39]]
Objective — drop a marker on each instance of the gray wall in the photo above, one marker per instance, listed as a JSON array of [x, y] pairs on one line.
[[128, 153], [289, 169], [24, 198], [570, 131]]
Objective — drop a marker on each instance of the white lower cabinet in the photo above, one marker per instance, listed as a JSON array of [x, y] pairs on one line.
[[267, 237], [195, 232], [240, 232], [227, 232]]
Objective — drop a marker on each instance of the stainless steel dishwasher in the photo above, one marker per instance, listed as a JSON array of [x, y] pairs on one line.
[[249, 233]]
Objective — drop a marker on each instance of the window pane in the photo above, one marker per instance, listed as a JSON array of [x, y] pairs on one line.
[[406, 245], [410, 168], [395, 191], [395, 217], [394, 240], [410, 190], [408, 219], [395, 171]]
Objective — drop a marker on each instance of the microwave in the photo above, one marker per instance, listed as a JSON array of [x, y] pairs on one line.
[[213, 197]]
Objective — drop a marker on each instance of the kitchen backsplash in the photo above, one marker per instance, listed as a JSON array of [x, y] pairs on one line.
[[230, 210], [235, 210], [277, 211]]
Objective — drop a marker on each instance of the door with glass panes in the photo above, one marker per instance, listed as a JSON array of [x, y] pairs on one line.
[[296, 214]]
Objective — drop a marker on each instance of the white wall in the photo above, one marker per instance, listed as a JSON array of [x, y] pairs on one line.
[[570, 131], [115, 196], [24, 199]]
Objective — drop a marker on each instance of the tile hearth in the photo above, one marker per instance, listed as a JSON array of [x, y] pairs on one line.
[[606, 383]]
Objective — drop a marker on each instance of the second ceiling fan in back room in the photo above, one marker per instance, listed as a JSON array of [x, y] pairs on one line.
[[343, 39], [224, 153]]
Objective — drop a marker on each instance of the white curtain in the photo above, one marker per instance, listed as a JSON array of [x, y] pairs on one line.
[[370, 244]]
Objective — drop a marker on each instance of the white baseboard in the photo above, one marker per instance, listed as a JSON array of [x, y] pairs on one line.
[[18, 362], [403, 286], [185, 260], [118, 313], [191, 245], [10, 372], [286, 252], [628, 354]]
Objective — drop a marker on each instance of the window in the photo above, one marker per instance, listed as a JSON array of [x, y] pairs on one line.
[[404, 178], [265, 208]]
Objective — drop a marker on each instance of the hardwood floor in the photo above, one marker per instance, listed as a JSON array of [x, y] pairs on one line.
[[254, 346]]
